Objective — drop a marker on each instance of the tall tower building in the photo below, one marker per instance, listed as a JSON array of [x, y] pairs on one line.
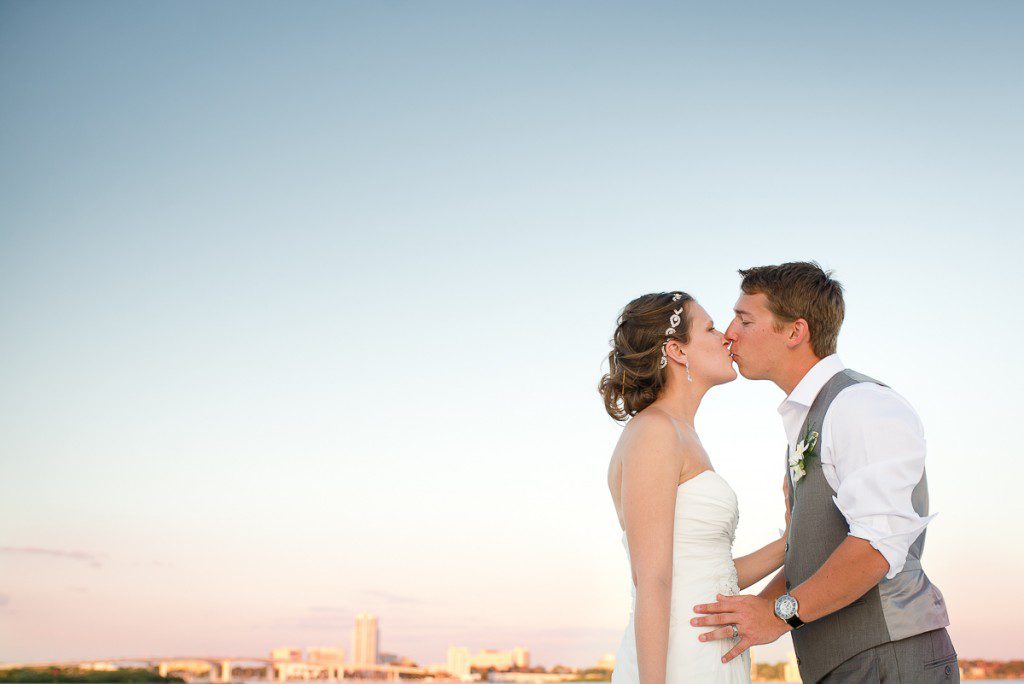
[[520, 657], [365, 638], [458, 661]]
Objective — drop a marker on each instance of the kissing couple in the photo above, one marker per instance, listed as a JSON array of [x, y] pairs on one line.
[[850, 587]]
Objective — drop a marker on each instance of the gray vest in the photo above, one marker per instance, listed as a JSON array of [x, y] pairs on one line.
[[894, 609]]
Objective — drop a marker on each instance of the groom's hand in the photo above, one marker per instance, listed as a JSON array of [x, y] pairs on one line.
[[753, 616]]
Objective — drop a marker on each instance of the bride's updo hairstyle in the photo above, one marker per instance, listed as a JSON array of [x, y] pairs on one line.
[[635, 370]]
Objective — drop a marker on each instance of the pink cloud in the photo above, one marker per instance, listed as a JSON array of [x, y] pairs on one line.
[[89, 558]]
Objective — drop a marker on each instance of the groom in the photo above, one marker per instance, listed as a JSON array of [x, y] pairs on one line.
[[852, 591]]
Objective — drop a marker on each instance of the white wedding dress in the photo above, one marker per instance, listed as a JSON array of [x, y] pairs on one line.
[[705, 526]]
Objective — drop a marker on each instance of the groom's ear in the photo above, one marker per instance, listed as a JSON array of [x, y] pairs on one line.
[[798, 334]]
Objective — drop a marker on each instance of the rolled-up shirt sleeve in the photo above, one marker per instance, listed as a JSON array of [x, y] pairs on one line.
[[878, 451]]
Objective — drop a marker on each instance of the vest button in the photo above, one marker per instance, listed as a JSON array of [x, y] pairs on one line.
[[949, 669]]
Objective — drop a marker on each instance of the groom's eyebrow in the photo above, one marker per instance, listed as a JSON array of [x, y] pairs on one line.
[[741, 312]]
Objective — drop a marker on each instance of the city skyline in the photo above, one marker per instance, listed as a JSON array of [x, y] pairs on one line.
[[292, 662], [304, 306]]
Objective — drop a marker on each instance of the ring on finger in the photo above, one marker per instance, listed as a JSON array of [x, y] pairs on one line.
[[735, 631]]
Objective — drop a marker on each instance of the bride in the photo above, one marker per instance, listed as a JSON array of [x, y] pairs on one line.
[[677, 514]]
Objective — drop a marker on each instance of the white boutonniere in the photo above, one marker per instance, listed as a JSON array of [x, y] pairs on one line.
[[796, 459]]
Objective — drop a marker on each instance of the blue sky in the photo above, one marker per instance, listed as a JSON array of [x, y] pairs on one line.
[[303, 306]]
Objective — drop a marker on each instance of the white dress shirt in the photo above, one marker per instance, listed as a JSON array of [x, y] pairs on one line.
[[872, 450]]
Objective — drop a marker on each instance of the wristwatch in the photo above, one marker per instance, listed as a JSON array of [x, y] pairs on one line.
[[786, 607]]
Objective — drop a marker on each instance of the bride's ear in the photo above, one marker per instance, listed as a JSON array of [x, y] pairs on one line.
[[798, 333], [676, 352]]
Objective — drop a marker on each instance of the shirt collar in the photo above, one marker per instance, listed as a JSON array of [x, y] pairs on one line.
[[809, 386]]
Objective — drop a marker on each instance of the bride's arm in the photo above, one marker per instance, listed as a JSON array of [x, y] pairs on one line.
[[754, 567], [650, 475]]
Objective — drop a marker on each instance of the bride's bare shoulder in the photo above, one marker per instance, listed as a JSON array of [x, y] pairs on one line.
[[653, 430], [650, 422]]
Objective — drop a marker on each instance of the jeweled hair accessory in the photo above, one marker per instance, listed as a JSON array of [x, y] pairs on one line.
[[673, 321]]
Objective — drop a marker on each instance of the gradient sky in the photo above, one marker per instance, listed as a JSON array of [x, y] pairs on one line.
[[303, 306]]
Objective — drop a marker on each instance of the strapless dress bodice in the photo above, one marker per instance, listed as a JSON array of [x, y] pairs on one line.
[[706, 515]]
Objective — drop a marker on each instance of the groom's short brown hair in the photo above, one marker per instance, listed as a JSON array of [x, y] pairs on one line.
[[801, 289]]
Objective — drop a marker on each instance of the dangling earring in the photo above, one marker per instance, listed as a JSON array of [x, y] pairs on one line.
[[688, 376]]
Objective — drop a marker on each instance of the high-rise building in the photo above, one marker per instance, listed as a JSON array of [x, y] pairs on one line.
[[490, 658], [365, 640], [501, 661], [286, 653], [458, 661], [520, 657], [791, 671], [326, 654]]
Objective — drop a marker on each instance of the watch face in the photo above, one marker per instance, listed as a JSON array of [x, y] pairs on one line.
[[785, 606]]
